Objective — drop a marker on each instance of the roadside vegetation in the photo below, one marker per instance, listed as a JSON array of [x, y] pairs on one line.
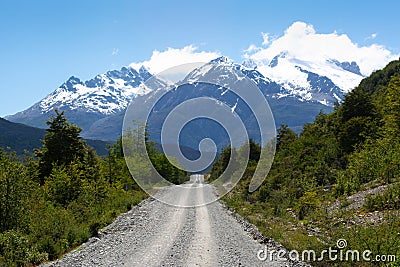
[[317, 189], [58, 198]]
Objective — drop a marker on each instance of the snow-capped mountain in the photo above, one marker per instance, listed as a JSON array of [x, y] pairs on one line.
[[323, 80], [210, 80], [87, 103], [286, 77], [106, 93], [296, 90]]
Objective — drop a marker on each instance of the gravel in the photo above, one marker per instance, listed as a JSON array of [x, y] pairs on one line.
[[357, 200], [157, 234]]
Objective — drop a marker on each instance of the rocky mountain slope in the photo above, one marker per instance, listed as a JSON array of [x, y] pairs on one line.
[[296, 91]]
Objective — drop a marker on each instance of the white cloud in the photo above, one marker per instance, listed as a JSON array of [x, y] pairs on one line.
[[163, 60], [265, 37], [251, 48], [372, 36], [302, 42]]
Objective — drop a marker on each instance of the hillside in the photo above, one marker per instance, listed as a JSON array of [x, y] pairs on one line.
[[19, 137], [338, 179]]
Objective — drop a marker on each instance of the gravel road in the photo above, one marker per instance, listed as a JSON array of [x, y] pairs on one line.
[[157, 234]]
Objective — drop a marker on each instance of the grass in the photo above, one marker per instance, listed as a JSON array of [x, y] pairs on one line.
[[320, 229]]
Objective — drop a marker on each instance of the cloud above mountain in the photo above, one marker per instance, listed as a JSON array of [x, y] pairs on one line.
[[163, 60], [286, 59], [301, 41]]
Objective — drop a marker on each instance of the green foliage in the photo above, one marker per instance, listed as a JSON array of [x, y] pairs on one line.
[[255, 151], [356, 147], [17, 250], [378, 161], [167, 170], [390, 199], [14, 191], [353, 132], [61, 145], [138, 153], [50, 205], [308, 202], [380, 239], [357, 103], [221, 163], [64, 184], [392, 108], [285, 136]]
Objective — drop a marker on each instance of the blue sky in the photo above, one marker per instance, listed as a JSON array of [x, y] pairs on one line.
[[43, 43]]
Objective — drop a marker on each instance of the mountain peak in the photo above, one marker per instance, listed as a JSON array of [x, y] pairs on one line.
[[249, 63], [106, 93], [70, 84], [73, 80], [145, 73], [275, 60], [143, 69], [348, 66], [221, 59], [319, 82]]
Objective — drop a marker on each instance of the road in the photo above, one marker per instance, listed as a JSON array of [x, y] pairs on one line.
[[156, 234]]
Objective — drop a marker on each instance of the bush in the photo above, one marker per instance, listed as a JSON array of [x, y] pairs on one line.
[[390, 199], [17, 250]]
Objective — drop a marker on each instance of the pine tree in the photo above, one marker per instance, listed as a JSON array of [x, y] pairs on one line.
[[285, 136], [61, 145]]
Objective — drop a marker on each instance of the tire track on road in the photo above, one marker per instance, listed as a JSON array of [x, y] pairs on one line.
[[202, 251], [162, 241]]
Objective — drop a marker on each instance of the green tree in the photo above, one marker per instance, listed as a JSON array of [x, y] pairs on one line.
[[64, 185], [357, 103], [61, 145], [392, 108], [255, 151], [353, 132], [13, 191], [221, 163], [285, 136]]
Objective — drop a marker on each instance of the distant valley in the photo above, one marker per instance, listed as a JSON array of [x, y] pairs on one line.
[[20, 138]]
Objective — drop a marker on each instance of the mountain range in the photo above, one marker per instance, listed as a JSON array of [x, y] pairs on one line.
[[296, 91]]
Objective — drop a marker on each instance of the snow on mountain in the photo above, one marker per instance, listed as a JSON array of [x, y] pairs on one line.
[[307, 79], [214, 79], [106, 93], [282, 78], [306, 63], [296, 90], [333, 56], [209, 70]]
